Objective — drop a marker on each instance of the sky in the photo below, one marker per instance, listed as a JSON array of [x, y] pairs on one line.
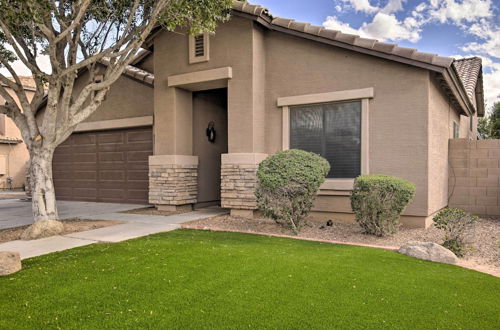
[[456, 28]]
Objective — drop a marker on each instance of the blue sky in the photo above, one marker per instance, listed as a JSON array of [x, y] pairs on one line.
[[457, 28]]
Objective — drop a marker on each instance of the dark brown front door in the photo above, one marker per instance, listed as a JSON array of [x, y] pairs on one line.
[[104, 166], [209, 109]]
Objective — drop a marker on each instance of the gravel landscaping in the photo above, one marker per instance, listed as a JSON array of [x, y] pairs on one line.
[[70, 226], [485, 251]]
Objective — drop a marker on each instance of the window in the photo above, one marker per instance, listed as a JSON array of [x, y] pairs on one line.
[[471, 123], [456, 130], [334, 125], [199, 48], [332, 130]]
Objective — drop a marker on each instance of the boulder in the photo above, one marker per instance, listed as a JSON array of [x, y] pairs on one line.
[[428, 251], [10, 262], [42, 228]]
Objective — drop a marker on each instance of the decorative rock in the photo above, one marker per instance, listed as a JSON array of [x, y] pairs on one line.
[[428, 251], [10, 262], [43, 228]]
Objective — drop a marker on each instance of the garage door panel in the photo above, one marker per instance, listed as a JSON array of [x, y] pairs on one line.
[[84, 139], [137, 175], [86, 157], [134, 156], [111, 138], [106, 166], [85, 192], [114, 175], [111, 156], [125, 147], [83, 149]]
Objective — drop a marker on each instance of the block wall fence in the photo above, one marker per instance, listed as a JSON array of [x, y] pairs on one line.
[[474, 176]]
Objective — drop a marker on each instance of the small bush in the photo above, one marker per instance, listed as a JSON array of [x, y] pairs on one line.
[[378, 201], [459, 228], [287, 184]]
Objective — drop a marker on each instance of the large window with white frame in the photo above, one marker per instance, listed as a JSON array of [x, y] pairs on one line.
[[334, 125], [332, 130]]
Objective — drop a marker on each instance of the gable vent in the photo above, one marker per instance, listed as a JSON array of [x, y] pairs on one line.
[[199, 45]]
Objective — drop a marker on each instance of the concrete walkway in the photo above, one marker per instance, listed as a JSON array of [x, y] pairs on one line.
[[17, 212], [137, 225]]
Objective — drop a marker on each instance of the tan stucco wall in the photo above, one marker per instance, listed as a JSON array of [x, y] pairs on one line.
[[126, 98], [13, 156], [410, 120], [398, 118], [441, 118], [231, 46]]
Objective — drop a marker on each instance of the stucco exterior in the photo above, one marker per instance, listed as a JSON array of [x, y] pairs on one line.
[[14, 155], [410, 118], [407, 113]]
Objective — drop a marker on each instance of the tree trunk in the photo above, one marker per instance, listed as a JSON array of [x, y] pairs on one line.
[[42, 186]]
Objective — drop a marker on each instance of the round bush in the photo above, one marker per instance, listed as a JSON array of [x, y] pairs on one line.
[[378, 201], [459, 229], [287, 184]]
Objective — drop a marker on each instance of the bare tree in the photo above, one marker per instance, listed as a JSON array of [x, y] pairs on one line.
[[77, 35]]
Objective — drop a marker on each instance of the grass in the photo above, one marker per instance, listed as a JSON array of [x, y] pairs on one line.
[[200, 279]]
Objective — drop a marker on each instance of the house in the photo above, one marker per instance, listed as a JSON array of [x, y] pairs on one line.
[[263, 84], [14, 155]]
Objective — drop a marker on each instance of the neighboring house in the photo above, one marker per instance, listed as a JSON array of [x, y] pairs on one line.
[[14, 155], [265, 84]]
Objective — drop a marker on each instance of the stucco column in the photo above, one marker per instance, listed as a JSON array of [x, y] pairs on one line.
[[173, 181], [238, 182]]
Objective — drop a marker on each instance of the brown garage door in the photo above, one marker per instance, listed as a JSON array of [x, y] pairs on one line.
[[104, 166]]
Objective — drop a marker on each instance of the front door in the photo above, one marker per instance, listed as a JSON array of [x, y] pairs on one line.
[[209, 142]]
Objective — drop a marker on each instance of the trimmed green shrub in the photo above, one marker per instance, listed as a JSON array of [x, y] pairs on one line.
[[378, 201], [287, 184], [459, 228]]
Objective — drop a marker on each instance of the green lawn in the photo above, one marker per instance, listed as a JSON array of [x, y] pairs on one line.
[[200, 279]]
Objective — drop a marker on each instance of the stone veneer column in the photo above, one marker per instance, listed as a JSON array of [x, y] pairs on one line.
[[173, 181], [238, 182]]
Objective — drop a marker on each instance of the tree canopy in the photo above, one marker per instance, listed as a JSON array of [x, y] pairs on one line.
[[489, 126]]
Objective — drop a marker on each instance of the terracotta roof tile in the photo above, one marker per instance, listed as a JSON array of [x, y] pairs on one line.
[[342, 37], [135, 73], [468, 70]]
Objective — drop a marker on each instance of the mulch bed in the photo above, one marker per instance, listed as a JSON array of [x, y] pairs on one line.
[[485, 250], [154, 211], [70, 226]]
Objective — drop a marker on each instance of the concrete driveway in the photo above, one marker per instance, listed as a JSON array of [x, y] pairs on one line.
[[17, 212]]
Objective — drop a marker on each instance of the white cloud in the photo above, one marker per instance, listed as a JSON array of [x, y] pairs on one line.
[[475, 18], [383, 27], [457, 12], [333, 23], [361, 5], [491, 82], [490, 36], [386, 26], [338, 8], [393, 6]]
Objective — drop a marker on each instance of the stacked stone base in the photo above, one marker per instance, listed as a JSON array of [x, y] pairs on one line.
[[238, 183], [173, 181]]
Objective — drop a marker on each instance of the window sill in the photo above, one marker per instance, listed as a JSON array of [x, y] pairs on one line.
[[336, 187]]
